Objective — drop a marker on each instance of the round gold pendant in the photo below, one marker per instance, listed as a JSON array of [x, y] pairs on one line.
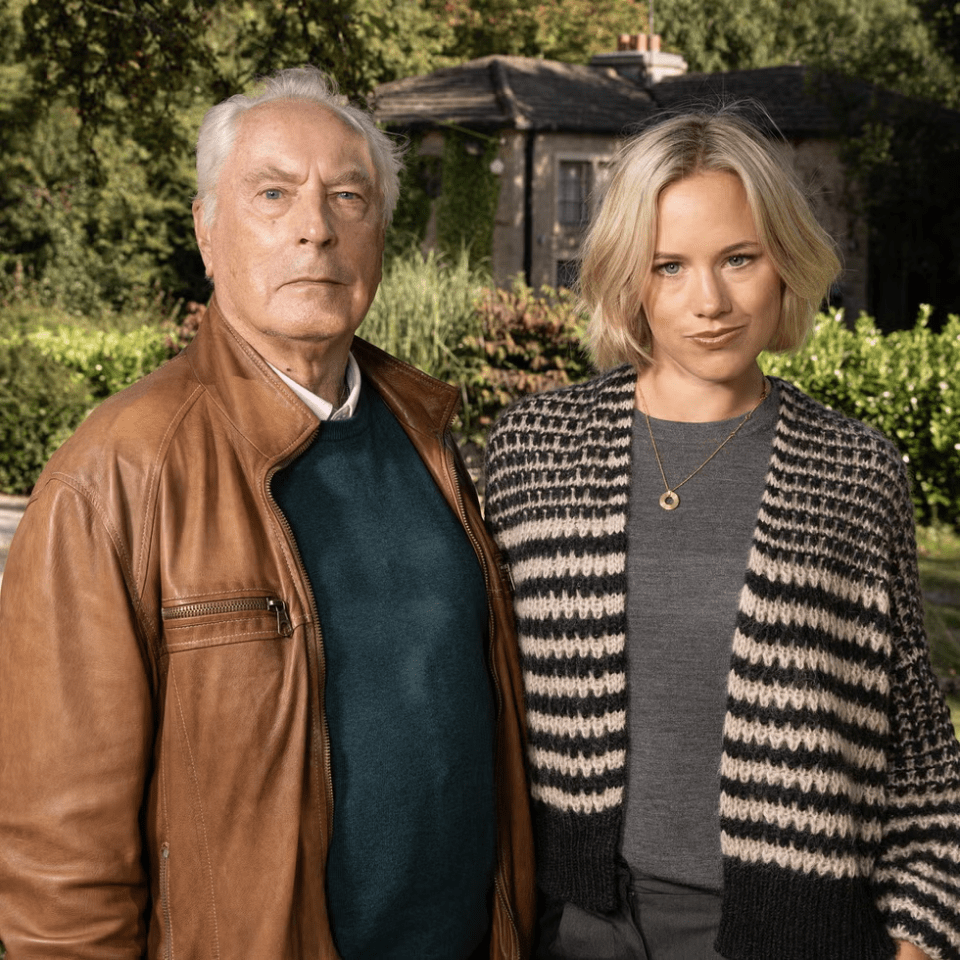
[[669, 500]]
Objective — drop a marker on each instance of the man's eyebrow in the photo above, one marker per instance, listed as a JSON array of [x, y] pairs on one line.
[[273, 174], [269, 174], [354, 175]]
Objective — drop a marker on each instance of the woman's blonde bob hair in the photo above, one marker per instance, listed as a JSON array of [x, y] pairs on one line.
[[619, 247]]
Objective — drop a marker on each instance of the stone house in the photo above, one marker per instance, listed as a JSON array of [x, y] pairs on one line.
[[558, 126]]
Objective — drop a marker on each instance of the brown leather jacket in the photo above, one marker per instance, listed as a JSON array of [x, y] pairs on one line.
[[165, 784]]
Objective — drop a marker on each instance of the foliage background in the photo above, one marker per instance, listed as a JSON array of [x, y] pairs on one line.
[[442, 315], [100, 102]]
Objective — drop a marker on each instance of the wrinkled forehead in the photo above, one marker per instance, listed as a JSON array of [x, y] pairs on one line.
[[278, 129]]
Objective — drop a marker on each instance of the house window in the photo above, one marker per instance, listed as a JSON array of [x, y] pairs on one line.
[[568, 272], [573, 190]]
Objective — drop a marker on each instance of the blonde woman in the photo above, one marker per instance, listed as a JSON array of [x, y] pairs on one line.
[[737, 747]]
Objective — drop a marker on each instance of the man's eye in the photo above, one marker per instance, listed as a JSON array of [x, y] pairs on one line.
[[273, 193], [348, 195]]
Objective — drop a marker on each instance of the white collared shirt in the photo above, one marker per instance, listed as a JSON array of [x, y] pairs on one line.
[[320, 407]]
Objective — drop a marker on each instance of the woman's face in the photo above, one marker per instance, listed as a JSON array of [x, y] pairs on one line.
[[713, 296]]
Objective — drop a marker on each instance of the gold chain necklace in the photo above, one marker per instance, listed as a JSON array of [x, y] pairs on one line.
[[669, 499]]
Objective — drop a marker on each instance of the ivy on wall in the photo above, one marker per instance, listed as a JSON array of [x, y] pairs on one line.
[[462, 189], [419, 187], [468, 200]]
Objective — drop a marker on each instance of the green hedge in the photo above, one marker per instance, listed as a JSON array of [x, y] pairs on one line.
[[52, 373], [41, 404], [496, 345], [105, 360], [906, 384]]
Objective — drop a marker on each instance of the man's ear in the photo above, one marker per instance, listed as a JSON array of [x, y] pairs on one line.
[[202, 231]]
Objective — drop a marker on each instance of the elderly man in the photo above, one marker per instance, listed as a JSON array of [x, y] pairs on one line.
[[259, 693]]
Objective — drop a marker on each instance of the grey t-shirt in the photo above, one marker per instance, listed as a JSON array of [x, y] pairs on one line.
[[685, 570]]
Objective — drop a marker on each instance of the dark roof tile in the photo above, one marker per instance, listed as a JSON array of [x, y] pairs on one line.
[[518, 92], [522, 93], [799, 100]]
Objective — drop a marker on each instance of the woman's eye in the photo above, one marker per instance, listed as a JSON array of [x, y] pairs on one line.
[[738, 260], [668, 269]]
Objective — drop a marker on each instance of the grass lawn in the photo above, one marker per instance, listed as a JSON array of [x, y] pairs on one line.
[[938, 550]]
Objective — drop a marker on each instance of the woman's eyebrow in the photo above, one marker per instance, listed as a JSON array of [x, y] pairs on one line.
[[740, 245], [730, 248]]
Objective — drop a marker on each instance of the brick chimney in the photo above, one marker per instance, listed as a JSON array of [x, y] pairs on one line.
[[638, 57]]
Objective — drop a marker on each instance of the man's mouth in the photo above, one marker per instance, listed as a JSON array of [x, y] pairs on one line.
[[311, 280]]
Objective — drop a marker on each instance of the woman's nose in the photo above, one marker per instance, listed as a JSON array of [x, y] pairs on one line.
[[710, 294]]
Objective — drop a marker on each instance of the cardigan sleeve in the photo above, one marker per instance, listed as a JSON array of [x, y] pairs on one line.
[[918, 873]]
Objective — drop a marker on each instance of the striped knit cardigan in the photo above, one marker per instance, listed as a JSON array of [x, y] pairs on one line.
[[840, 774]]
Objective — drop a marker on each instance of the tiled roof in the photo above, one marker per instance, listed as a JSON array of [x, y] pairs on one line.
[[799, 100], [515, 92], [523, 93]]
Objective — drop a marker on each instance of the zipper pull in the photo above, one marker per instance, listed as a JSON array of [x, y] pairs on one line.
[[284, 627]]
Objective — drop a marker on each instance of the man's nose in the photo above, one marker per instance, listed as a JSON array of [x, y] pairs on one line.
[[710, 294], [318, 225]]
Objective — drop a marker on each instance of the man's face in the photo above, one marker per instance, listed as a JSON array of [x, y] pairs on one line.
[[295, 249]]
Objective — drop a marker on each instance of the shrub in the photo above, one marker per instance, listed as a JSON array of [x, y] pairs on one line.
[[527, 342], [105, 360], [903, 383], [41, 404], [53, 371]]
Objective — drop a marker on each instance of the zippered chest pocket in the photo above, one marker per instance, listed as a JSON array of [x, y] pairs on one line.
[[214, 621]]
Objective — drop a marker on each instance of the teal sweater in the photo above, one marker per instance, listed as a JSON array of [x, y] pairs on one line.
[[403, 611]]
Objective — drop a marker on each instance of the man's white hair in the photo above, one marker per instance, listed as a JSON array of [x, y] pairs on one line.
[[220, 126]]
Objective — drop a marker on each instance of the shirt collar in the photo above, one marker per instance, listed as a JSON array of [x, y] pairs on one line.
[[320, 407]]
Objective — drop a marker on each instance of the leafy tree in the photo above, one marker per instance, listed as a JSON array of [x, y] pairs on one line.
[[893, 43], [943, 18], [102, 102], [100, 99], [360, 42], [142, 62], [91, 242], [567, 30]]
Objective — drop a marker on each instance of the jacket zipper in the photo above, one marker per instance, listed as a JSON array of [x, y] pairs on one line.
[[461, 506], [322, 661], [165, 900], [238, 605]]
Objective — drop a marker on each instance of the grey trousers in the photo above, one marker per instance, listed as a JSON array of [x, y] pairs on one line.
[[655, 921]]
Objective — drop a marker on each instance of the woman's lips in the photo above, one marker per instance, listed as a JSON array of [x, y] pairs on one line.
[[716, 338]]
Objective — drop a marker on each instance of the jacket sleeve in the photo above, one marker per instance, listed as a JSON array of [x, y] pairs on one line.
[[75, 737], [918, 875]]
